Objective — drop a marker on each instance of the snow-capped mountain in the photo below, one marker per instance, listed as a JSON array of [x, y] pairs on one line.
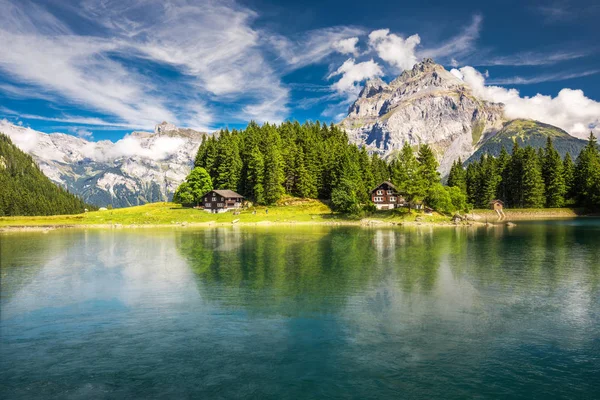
[[142, 167], [424, 105]]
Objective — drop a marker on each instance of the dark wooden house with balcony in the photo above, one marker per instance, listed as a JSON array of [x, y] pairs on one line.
[[387, 197], [217, 201]]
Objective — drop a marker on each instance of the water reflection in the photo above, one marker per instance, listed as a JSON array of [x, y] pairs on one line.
[[302, 312]]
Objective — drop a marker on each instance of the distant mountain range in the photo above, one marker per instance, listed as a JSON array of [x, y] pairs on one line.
[[533, 133], [142, 167], [428, 104], [25, 190]]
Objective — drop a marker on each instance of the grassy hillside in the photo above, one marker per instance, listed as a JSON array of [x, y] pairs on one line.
[[289, 210], [25, 190], [533, 133]]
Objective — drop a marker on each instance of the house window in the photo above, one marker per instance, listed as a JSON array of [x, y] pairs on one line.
[[207, 205], [377, 199], [214, 199], [380, 192], [206, 199], [392, 199], [390, 192], [220, 204]]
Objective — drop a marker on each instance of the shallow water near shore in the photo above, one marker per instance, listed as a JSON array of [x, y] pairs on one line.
[[302, 312]]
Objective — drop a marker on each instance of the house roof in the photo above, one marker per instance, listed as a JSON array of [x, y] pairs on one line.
[[390, 184], [497, 201], [227, 193]]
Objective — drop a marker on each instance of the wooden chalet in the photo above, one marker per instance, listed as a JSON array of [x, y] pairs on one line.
[[217, 201], [387, 197]]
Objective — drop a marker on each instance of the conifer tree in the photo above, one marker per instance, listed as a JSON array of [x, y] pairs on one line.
[[428, 166], [514, 184], [228, 165], [554, 180], [458, 176], [503, 168], [408, 178], [532, 182], [488, 181], [587, 175], [569, 176], [273, 161], [472, 179]]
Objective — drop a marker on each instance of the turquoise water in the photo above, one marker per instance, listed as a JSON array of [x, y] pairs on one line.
[[302, 313]]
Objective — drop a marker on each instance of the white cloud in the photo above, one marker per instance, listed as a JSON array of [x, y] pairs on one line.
[[148, 147], [570, 110], [532, 58], [211, 43], [83, 133], [347, 46], [313, 46], [352, 73], [561, 76], [394, 49], [458, 46]]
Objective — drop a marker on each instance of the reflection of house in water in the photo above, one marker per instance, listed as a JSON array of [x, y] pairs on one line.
[[385, 242]]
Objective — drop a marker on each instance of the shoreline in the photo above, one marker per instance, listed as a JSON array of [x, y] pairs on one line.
[[478, 220]]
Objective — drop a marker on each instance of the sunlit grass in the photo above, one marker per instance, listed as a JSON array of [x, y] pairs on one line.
[[289, 210]]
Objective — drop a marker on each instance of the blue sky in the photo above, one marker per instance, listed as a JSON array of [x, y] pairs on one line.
[[102, 68]]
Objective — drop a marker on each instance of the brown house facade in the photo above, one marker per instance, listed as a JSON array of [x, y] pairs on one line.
[[217, 201], [387, 197]]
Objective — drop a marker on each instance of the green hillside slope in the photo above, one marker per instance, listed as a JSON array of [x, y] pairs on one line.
[[25, 190], [533, 133]]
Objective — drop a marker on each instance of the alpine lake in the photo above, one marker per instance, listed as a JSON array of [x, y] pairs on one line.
[[304, 312]]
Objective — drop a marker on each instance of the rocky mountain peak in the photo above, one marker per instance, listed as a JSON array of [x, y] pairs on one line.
[[164, 127], [426, 104], [372, 87]]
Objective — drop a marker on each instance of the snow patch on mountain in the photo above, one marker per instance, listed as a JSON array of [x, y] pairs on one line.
[[142, 167]]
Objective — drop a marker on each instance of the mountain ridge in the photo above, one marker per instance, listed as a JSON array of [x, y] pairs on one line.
[[426, 104], [140, 168]]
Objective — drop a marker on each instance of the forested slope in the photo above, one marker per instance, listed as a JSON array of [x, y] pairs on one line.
[[25, 190]]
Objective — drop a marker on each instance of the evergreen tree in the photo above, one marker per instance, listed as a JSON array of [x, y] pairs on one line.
[[472, 179], [408, 177], [428, 166], [458, 176], [587, 175], [25, 190], [228, 165], [532, 182], [514, 174], [488, 181], [503, 168], [273, 161], [569, 176], [554, 180]]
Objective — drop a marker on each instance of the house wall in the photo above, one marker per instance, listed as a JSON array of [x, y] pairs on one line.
[[214, 202], [386, 198]]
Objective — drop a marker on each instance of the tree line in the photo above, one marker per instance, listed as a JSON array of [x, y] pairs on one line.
[[311, 160], [25, 190], [527, 178]]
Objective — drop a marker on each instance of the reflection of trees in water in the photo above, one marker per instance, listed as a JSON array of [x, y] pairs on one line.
[[318, 269], [23, 255], [292, 270]]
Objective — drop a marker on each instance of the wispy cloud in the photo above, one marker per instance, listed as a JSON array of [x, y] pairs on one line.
[[562, 76], [532, 58], [458, 46], [211, 43]]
